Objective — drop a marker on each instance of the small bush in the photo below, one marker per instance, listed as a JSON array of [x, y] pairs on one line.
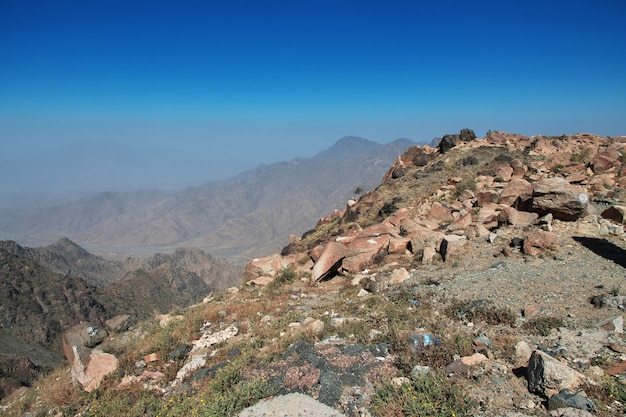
[[541, 326], [480, 311]]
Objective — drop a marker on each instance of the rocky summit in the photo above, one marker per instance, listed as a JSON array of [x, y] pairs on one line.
[[482, 277]]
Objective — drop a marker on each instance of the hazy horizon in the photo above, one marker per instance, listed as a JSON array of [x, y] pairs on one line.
[[243, 83]]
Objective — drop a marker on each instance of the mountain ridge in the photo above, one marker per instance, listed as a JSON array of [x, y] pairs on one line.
[[246, 215]]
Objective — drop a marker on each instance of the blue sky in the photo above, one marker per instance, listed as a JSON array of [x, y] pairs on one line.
[[268, 81]]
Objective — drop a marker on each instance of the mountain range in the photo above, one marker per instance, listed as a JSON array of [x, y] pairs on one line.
[[245, 216]]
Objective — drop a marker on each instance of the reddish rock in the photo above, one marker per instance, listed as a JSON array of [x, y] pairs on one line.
[[462, 223], [82, 335], [504, 171], [518, 193], [399, 244], [536, 242], [261, 281], [488, 215], [329, 261], [512, 217], [519, 169], [557, 196], [152, 357], [487, 197], [532, 310], [440, 213], [604, 161], [616, 369]]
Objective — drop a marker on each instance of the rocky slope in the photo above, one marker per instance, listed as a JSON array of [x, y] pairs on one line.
[[249, 212], [484, 277], [46, 290]]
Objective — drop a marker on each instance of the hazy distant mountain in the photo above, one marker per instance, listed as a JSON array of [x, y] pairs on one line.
[[248, 215], [94, 166]]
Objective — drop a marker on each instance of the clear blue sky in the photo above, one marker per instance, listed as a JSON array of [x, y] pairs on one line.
[[274, 80]]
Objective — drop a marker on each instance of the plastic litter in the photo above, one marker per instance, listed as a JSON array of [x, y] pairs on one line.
[[419, 341]]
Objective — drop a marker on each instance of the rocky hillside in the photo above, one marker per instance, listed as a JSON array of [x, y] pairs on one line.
[[246, 216], [483, 277], [46, 290]]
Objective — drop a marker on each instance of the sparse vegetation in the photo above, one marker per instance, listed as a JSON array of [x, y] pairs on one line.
[[429, 395], [542, 325], [480, 311]]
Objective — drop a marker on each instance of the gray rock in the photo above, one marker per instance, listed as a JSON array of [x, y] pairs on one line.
[[567, 398], [547, 376]]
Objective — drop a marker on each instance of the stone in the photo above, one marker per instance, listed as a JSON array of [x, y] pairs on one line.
[[523, 351], [261, 281], [512, 217], [448, 142], [615, 213], [451, 245], [398, 276], [91, 366], [87, 335], [567, 398], [195, 362], [548, 376], [419, 371], [440, 212], [210, 339], [329, 261], [570, 412], [462, 223], [119, 323], [152, 357], [536, 242], [616, 369], [473, 360], [613, 324], [545, 222], [467, 135], [555, 195], [518, 193], [487, 196], [532, 310], [179, 353]]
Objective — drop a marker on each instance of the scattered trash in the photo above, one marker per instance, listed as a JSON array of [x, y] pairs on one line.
[[419, 341]]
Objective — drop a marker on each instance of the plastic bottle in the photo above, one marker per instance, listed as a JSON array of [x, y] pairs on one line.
[[419, 341]]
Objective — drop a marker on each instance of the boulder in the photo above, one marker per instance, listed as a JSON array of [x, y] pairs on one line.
[[82, 335], [548, 376], [486, 197], [567, 398], [461, 223], [440, 213], [119, 323], [467, 135], [448, 142], [511, 217], [451, 245], [329, 261], [557, 196], [518, 193], [91, 366]]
